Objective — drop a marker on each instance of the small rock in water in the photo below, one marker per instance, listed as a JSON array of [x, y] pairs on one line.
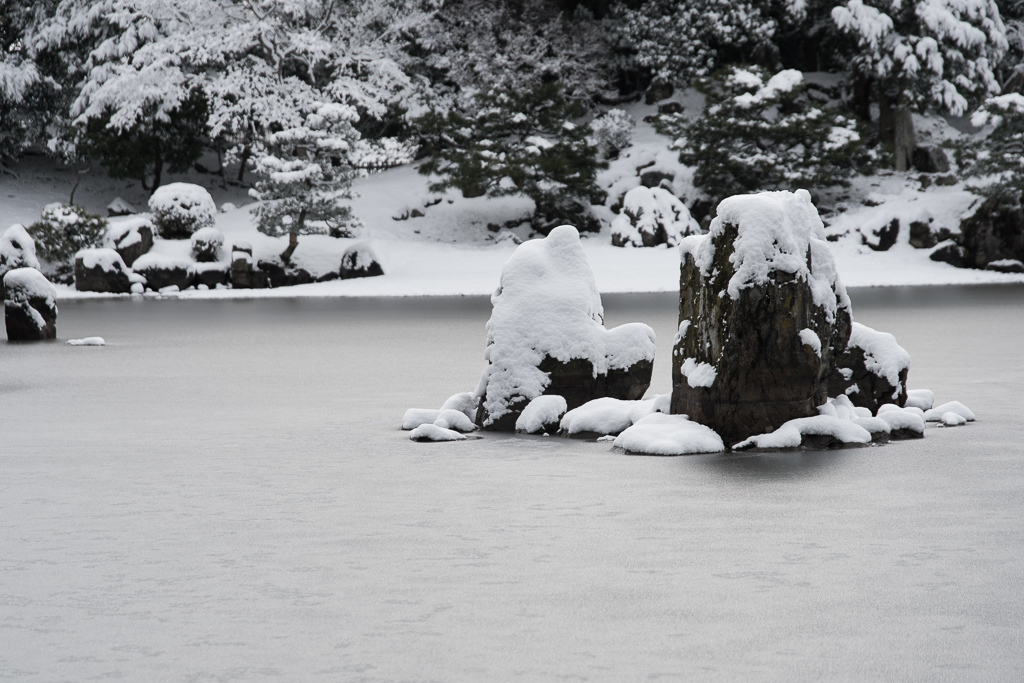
[[431, 432], [87, 341], [952, 419]]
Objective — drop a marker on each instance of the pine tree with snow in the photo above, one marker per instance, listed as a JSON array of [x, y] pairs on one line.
[[920, 55], [997, 160], [305, 176], [520, 143], [761, 131]]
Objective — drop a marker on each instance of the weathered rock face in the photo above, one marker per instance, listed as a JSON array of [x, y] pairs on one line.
[[994, 232], [17, 250], [30, 306], [101, 270], [212, 274], [131, 238], [930, 159], [359, 261], [762, 313], [241, 265], [163, 271], [651, 217], [546, 336], [872, 370]]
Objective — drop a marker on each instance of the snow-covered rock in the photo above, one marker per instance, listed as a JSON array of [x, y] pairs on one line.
[[359, 260], [936, 413], [920, 398], [600, 416], [454, 419], [762, 313], [651, 216], [162, 271], [465, 402], [119, 207], [546, 335], [659, 434], [179, 209], [131, 237], [432, 432], [904, 423], [872, 370], [542, 415], [17, 250], [101, 270], [819, 431], [414, 417], [207, 244], [87, 341], [30, 305]]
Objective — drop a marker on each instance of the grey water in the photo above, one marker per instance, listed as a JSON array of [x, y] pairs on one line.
[[222, 493]]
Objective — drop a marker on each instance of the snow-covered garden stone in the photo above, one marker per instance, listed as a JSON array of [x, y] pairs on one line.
[[359, 261], [273, 272], [930, 159], [938, 413], [212, 274], [17, 250], [994, 232], [818, 431], [101, 270], [872, 370], [923, 399], [241, 265], [652, 216], [762, 312], [206, 245], [546, 336], [130, 238], [119, 207], [163, 271], [598, 417], [30, 305], [432, 432], [179, 209]]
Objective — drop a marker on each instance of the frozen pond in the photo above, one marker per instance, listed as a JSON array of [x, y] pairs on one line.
[[222, 493]]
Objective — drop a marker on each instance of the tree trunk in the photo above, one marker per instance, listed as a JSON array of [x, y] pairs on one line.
[[246, 153], [860, 99], [896, 128], [293, 241], [71, 199], [158, 168]]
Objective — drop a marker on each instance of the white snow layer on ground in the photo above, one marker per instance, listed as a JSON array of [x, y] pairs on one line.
[[660, 434], [776, 231], [541, 411], [547, 304]]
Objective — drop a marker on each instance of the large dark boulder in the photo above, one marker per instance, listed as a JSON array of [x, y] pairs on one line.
[[762, 314], [163, 271], [359, 261], [872, 370], [30, 306], [130, 238], [101, 270], [546, 336], [930, 159], [994, 232]]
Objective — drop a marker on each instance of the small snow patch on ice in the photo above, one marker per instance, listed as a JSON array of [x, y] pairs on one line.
[[936, 413], [87, 341], [952, 419], [431, 432]]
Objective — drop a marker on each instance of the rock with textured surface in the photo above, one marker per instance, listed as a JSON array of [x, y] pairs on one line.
[[762, 315], [30, 306], [359, 261], [101, 270], [546, 336], [131, 238], [872, 370]]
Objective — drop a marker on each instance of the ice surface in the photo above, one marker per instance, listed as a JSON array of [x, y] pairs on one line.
[[541, 411], [660, 434]]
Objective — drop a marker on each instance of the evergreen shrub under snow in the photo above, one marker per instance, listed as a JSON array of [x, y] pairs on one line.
[[761, 132], [61, 232], [1000, 156], [179, 209]]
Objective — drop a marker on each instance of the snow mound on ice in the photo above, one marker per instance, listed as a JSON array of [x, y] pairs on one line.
[[906, 419], [660, 434], [920, 398], [952, 419], [87, 341], [790, 434], [776, 231], [541, 411], [454, 419], [465, 403], [600, 416], [936, 413], [414, 417], [431, 432]]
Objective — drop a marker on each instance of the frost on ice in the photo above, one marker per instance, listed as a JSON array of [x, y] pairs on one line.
[[546, 335]]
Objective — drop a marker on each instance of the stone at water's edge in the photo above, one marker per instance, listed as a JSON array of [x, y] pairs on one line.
[[546, 336], [762, 314], [872, 370], [101, 270], [30, 306]]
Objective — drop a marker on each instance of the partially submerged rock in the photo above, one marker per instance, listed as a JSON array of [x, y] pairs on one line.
[[30, 305], [993, 233], [762, 315], [101, 270], [871, 370], [650, 217], [546, 336]]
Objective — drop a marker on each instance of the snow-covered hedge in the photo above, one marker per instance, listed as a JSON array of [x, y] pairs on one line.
[[651, 216], [63, 230], [179, 209]]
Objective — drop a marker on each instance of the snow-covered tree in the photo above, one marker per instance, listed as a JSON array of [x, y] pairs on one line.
[[520, 142], [923, 54], [760, 132], [305, 176], [998, 158]]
